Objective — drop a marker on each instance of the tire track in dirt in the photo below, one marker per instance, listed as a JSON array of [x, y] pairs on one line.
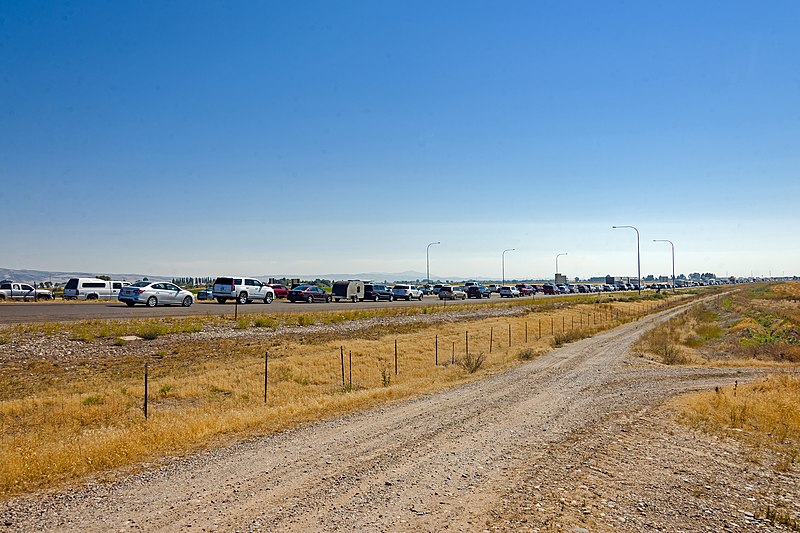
[[432, 463]]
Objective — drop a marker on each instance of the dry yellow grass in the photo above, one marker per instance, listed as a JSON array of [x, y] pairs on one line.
[[60, 423], [765, 413]]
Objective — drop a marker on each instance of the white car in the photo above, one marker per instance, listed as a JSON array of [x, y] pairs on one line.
[[153, 293], [407, 292], [243, 290], [509, 292]]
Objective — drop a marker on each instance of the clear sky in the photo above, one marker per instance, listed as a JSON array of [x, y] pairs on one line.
[[201, 138]]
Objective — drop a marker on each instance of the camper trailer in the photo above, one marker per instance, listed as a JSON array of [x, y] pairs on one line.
[[351, 289]]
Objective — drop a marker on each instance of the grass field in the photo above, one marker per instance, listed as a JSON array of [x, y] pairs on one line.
[[756, 326], [64, 421]]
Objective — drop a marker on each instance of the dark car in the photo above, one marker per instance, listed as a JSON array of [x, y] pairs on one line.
[[478, 291], [549, 288], [308, 293], [281, 291], [375, 292]]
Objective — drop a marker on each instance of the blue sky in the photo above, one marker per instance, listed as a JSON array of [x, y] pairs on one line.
[[201, 138]]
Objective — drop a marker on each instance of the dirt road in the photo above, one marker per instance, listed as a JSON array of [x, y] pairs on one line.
[[457, 460]]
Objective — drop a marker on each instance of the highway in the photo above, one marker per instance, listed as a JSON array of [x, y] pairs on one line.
[[58, 311]]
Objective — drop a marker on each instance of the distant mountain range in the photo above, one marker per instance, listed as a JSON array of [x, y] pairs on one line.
[[40, 276]]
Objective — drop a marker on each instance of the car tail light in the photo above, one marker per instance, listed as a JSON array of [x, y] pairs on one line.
[[139, 291]]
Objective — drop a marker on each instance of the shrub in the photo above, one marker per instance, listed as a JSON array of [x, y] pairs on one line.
[[265, 322], [94, 399], [471, 362], [527, 354]]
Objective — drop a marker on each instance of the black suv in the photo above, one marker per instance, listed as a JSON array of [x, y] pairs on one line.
[[478, 291], [377, 292]]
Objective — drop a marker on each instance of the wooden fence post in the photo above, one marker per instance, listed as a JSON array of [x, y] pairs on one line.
[[145, 390]]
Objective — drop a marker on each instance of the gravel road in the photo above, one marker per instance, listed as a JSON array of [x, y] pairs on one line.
[[464, 459]]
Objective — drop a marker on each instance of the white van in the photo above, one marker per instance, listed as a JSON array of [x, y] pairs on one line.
[[92, 289]]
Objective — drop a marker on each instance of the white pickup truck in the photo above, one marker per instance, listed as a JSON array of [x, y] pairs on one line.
[[10, 290]]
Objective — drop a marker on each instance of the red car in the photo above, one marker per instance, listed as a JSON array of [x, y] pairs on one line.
[[308, 293], [281, 291], [525, 290]]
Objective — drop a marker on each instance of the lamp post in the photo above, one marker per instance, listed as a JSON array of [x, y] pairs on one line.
[[428, 259], [672, 244], [504, 262], [557, 256], [638, 255]]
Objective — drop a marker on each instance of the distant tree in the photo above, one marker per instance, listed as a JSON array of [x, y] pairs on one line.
[[145, 279], [104, 277], [649, 277]]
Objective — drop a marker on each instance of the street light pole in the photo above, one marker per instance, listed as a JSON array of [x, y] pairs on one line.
[[504, 262], [557, 256], [428, 260], [638, 255], [673, 259]]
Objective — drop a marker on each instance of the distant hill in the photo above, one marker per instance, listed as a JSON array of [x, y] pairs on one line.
[[40, 276], [409, 275]]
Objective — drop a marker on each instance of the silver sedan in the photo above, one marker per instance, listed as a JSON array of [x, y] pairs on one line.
[[153, 293]]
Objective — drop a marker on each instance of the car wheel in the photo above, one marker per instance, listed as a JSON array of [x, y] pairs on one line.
[[92, 297], [243, 298], [420, 297], [222, 300], [268, 299], [355, 299], [310, 299], [152, 301], [130, 304], [376, 298], [391, 298], [187, 302], [408, 298], [327, 299]]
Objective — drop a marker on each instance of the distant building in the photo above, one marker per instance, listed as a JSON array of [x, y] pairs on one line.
[[561, 279]]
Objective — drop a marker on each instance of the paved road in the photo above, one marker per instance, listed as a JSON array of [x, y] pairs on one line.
[[23, 312]]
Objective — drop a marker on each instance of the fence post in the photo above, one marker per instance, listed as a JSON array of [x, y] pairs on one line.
[[491, 331], [395, 357], [509, 335], [341, 353], [453, 355], [236, 309], [351, 368], [266, 373], [466, 344], [436, 360], [526, 332], [145, 390]]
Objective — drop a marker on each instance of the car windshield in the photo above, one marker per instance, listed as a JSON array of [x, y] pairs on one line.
[[140, 284], [302, 288]]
